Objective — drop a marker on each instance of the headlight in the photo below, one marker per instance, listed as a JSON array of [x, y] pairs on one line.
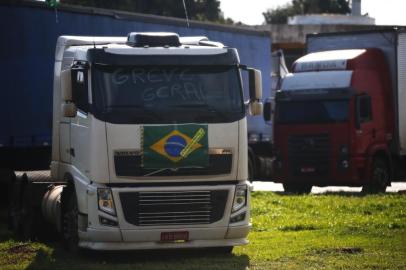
[[344, 150], [240, 197], [343, 162], [106, 203]]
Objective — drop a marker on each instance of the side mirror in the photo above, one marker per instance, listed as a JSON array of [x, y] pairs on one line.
[[69, 109], [256, 107], [255, 88], [66, 85], [255, 84], [267, 111]]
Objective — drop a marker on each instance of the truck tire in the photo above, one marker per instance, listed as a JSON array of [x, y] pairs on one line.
[[297, 188], [70, 222], [11, 200], [33, 225], [15, 204], [27, 214], [251, 170], [6, 180], [380, 177]]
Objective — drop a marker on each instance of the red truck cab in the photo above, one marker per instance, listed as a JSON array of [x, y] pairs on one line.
[[333, 122]]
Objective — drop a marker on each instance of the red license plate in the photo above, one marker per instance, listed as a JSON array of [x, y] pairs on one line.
[[174, 236]]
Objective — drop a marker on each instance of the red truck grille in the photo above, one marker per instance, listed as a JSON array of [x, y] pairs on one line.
[[309, 154]]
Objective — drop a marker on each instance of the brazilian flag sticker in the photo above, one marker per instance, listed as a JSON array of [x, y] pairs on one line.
[[175, 146]]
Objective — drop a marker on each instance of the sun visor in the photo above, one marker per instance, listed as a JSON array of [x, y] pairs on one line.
[[317, 80], [227, 57], [328, 60]]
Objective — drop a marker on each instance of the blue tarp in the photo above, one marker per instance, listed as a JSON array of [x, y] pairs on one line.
[[27, 48]]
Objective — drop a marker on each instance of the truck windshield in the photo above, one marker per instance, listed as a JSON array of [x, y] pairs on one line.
[[312, 111], [167, 94]]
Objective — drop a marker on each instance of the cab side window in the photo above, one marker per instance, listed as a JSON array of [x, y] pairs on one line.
[[364, 109], [80, 94]]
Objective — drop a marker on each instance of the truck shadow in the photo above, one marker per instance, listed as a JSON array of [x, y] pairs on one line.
[[50, 254], [157, 259]]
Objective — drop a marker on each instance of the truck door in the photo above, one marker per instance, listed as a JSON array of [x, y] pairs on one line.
[[64, 124], [365, 127], [79, 128]]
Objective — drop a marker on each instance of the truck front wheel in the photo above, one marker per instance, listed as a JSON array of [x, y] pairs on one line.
[[14, 208], [297, 188], [380, 177], [70, 223], [251, 170]]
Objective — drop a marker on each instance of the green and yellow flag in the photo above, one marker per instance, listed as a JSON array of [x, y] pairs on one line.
[[175, 146]]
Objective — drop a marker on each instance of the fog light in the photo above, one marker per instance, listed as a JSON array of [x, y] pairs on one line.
[[108, 222], [238, 218]]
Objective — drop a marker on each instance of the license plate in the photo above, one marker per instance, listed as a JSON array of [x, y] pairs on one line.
[[174, 236], [307, 169]]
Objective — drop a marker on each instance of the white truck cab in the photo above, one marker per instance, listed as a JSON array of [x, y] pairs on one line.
[[150, 137]]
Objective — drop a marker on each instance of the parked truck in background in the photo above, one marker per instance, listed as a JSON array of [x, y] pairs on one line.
[[340, 115], [139, 155]]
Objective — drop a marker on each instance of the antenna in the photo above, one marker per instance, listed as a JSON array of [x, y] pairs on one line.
[[187, 18]]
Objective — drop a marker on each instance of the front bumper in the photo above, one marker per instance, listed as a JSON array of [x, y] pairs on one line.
[[352, 176], [111, 239], [132, 234]]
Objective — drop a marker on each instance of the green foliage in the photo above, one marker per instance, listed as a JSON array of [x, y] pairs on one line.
[[329, 231], [52, 3], [203, 10], [280, 15]]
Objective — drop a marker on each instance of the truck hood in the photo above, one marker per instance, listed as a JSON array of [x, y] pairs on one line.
[[128, 145]]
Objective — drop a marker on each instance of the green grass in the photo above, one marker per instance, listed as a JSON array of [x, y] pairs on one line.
[[330, 231]]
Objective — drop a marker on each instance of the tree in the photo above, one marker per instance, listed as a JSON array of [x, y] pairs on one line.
[[203, 10], [296, 7]]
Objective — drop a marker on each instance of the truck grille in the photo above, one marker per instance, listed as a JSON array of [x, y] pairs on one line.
[[173, 207], [309, 154]]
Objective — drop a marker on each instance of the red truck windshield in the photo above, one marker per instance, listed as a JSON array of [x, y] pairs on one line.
[[312, 111]]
